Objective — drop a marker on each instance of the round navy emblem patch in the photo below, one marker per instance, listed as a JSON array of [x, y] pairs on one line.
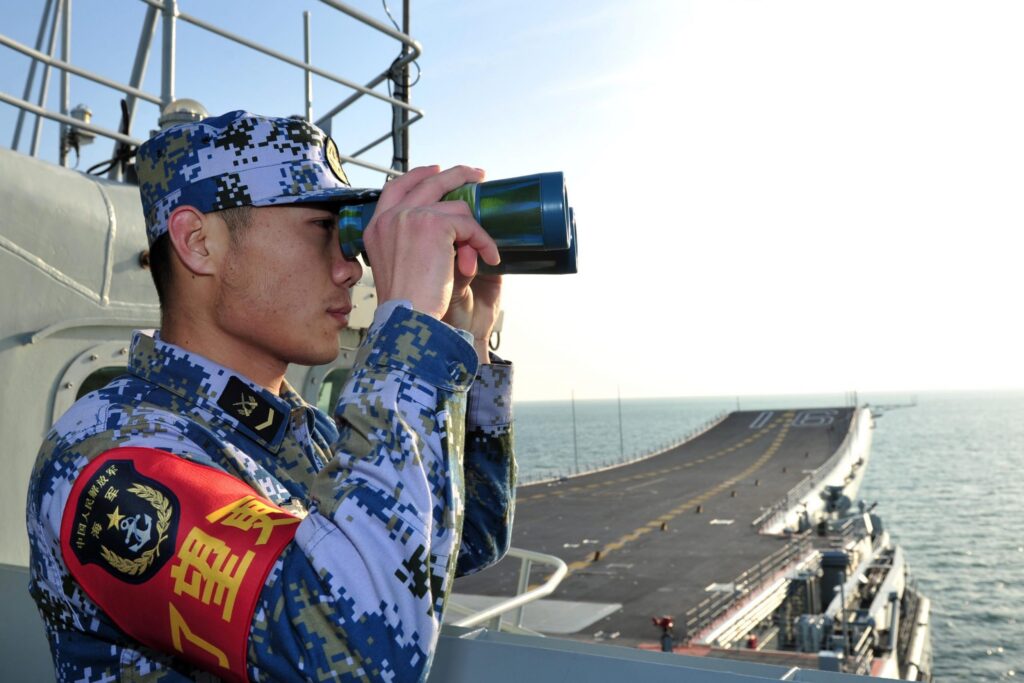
[[131, 522]]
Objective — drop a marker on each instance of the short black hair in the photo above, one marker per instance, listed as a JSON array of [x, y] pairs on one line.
[[237, 219]]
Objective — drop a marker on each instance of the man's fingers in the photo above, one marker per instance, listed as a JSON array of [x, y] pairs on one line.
[[465, 259], [431, 188], [467, 231], [396, 189]]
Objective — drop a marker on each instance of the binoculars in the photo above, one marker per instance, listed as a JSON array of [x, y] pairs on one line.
[[528, 217]]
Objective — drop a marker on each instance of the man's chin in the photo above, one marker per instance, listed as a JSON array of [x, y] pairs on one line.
[[318, 358], [322, 355]]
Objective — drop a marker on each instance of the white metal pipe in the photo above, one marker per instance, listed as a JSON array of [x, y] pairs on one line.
[[141, 62], [195, 21], [170, 14], [60, 118], [366, 164], [413, 52], [45, 85], [309, 61], [545, 589], [524, 583], [65, 55], [135, 81], [30, 80], [367, 147], [413, 45], [78, 71], [65, 79]]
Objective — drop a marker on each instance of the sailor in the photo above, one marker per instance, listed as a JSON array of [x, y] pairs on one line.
[[195, 518]]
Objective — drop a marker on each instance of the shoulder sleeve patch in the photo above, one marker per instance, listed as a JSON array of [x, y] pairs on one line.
[[175, 553]]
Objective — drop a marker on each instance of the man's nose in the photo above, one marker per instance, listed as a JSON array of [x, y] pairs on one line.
[[344, 272]]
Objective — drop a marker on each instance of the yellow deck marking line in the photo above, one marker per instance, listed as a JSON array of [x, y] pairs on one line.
[[707, 458], [618, 544]]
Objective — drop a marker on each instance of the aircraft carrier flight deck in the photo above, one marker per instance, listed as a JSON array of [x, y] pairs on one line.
[[654, 535]]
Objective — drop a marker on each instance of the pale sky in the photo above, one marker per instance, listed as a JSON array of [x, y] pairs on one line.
[[771, 197]]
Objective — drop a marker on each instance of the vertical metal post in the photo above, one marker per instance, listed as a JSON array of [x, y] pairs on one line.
[[167, 80], [65, 82], [141, 58], [575, 449], [45, 85], [309, 60], [138, 75], [622, 442], [406, 15], [31, 73], [524, 583], [400, 116]]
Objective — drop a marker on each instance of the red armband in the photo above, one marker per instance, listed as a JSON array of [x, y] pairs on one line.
[[175, 553]]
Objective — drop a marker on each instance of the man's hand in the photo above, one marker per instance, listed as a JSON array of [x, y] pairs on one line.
[[413, 236], [474, 307]]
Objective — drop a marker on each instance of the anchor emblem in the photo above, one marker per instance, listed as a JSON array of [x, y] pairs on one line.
[[133, 530], [246, 405]]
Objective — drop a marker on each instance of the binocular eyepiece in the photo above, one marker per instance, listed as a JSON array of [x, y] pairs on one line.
[[528, 217]]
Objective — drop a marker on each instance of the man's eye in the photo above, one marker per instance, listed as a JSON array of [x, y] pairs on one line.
[[325, 223]]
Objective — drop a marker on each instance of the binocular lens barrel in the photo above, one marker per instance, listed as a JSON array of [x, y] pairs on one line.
[[528, 217]]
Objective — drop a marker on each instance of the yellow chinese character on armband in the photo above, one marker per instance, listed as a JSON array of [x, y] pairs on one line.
[[111, 470], [102, 480], [249, 513], [110, 494], [206, 570], [179, 628], [96, 530]]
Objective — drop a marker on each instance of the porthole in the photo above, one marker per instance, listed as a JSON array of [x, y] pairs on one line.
[[89, 371]]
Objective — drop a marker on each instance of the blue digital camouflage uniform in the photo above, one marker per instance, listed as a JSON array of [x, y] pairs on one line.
[[359, 593]]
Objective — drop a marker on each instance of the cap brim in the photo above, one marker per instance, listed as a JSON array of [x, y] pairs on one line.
[[342, 196]]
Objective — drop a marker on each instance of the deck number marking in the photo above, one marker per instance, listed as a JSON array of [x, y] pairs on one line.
[[814, 418], [762, 419]]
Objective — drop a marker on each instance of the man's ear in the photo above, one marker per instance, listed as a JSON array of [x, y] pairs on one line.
[[195, 239]]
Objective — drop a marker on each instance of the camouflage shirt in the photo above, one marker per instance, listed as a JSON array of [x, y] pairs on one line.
[[164, 514]]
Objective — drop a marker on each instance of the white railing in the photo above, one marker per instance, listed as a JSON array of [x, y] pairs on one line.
[[636, 456], [492, 616], [57, 20]]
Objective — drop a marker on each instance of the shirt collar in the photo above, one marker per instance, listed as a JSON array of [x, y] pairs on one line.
[[230, 397]]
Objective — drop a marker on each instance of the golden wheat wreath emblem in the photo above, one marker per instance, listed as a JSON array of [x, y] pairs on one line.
[[163, 520]]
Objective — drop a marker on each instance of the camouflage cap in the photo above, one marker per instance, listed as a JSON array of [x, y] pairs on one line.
[[239, 159]]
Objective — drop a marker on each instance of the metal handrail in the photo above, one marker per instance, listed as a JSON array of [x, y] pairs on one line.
[[270, 52], [39, 111], [636, 456], [413, 52], [523, 597], [78, 71], [171, 12], [710, 609]]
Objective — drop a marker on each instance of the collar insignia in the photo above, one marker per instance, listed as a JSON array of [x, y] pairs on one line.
[[251, 409]]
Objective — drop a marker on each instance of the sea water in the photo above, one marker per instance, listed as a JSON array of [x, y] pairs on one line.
[[947, 474]]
